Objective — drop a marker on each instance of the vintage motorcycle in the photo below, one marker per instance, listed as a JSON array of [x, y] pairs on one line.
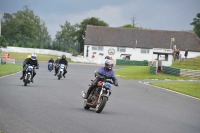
[[60, 71], [50, 66], [99, 96], [28, 74]]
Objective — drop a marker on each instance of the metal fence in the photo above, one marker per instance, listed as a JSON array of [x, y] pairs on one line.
[[181, 72], [190, 62]]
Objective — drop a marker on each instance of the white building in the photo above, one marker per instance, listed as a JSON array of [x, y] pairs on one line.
[[136, 44]]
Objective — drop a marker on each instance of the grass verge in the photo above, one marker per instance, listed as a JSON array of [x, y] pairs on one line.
[[40, 57], [189, 88], [9, 69], [142, 72], [1, 131]]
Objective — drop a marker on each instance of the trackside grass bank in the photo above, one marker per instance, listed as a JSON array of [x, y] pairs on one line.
[[142, 72], [9, 69], [189, 88], [40, 57]]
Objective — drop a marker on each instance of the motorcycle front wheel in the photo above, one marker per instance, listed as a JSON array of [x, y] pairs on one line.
[[101, 105], [26, 80]]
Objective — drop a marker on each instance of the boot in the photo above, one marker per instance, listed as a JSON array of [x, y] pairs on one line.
[[32, 80], [21, 77]]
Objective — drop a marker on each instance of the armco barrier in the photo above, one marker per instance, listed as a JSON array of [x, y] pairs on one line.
[[153, 69], [171, 70], [190, 73], [131, 63], [35, 50]]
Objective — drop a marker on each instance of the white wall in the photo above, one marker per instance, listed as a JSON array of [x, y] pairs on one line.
[[190, 54], [134, 52], [35, 50]]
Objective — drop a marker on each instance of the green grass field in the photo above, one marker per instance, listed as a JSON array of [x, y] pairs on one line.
[[189, 88], [142, 72], [40, 57], [9, 69]]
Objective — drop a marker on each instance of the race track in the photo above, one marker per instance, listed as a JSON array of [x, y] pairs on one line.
[[50, 105]]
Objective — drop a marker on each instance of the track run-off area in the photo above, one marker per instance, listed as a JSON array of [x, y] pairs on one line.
[[50, 105]]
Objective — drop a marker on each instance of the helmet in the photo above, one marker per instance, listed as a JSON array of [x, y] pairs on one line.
[[33, 56], [29, 56], [109, 64], [63, 56], [58, 57]]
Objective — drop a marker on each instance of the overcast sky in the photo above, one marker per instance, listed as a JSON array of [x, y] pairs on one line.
[[154, 14]]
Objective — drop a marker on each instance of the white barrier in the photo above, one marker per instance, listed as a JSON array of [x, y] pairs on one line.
[[99, 60], [35, 50], [89, 60]]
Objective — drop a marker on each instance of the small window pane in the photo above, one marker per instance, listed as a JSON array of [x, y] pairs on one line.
[[94, 47], [100, 48], [122, 50], [143, 51]]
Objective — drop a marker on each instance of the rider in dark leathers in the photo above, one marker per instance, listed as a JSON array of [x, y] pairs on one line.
[[56, 65], [31, 61], [102, 74], [50, 61], [64, 61]]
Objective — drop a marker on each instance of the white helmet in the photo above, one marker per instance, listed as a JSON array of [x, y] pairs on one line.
[[109, 64], [58, 57], [33, 56]]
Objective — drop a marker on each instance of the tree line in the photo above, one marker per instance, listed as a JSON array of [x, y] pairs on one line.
[[25, 29]]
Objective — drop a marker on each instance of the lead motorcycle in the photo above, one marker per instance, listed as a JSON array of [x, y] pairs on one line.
[[99, 96], [28, 74]]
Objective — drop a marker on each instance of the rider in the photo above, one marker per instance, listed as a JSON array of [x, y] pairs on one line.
[[31, 61], [50, 61], [103, 73], [24, 63], [64, 61], [56, 68]]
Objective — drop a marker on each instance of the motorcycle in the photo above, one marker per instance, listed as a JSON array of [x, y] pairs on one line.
[[28, 74], [99, 96], [50, 66], [60, 71]]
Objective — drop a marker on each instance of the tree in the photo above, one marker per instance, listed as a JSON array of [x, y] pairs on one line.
[[128, 26], [3, 42], [25, 29], [196, 24], [82, 28], [66, 38]]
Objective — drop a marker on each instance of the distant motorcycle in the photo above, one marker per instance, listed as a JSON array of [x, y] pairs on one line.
[[50, 66], [28, 74], [99, 96], [60, 71]]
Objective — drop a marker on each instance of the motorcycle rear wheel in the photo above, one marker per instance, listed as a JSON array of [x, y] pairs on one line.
[[101, 105]]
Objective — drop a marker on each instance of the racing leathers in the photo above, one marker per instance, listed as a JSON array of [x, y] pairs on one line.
[[50, 61], [102, 74], [56, 66]]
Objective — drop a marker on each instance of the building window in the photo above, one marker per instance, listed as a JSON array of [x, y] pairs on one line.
[[145, 51], [97, 48], [121, 49]]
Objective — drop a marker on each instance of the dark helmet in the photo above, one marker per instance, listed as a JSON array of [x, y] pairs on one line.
[[109, 64], [63, 56]]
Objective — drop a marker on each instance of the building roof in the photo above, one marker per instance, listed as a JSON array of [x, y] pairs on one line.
[[126, 37]]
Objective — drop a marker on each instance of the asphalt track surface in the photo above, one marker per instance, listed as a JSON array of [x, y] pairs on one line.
[[50, 105]]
